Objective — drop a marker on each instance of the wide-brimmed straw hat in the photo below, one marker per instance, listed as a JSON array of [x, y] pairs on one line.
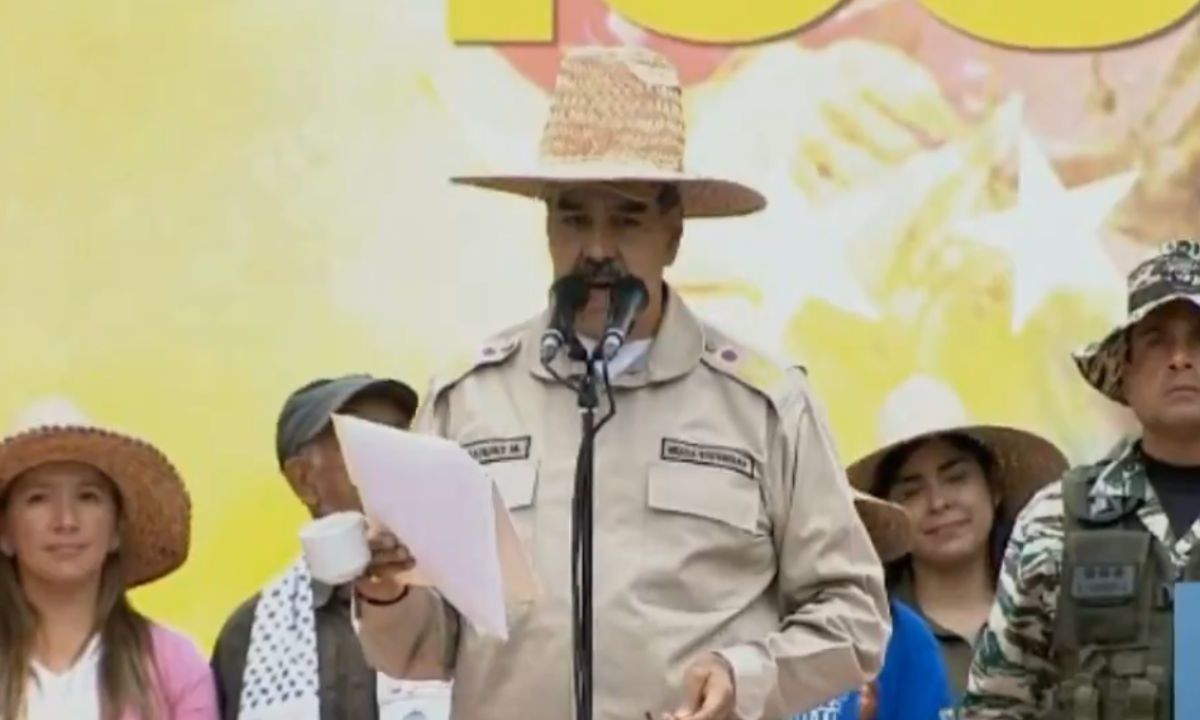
[[888, 525], [924, 408], [616, 115], [156, 510], [1172, 273]]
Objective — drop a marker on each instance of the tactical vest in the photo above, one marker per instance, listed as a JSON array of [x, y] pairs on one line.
[[1113, 635]]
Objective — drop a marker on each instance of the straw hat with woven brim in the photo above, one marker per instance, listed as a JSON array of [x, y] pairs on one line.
[[616, 115], [1173, 273], [888, 525], [924, 408], [156, 509]]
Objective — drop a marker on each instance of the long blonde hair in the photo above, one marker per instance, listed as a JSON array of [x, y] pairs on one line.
[[127, 675]]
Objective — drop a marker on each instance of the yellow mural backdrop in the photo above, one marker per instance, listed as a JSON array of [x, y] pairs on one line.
[[204, 205]]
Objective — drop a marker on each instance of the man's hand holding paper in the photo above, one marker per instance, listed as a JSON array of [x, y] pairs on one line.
[[446, 516]]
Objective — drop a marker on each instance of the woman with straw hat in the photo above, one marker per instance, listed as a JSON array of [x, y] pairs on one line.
[[913, 683], [962, 484], [85, 515]]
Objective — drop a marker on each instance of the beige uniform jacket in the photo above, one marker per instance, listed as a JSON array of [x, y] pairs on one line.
[[723, 522]]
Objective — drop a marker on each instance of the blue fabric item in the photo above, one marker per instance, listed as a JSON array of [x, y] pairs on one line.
[[912, 684], [1187, 648], [842, 708]]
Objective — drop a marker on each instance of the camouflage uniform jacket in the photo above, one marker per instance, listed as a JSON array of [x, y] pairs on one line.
[[1015, 673]]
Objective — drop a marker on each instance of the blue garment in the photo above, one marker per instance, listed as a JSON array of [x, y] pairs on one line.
[[842, 708], [912, 684]]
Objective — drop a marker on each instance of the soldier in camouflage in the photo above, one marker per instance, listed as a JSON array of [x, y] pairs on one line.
[[1082, 623]]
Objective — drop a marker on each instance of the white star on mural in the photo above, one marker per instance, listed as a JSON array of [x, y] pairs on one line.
[[772, 263], [785, 255], [1052, 233], [803, 253]]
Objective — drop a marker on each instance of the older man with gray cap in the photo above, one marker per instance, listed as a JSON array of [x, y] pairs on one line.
[[291, 651]]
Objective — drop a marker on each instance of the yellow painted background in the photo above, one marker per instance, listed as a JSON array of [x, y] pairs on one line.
[[204, 205]]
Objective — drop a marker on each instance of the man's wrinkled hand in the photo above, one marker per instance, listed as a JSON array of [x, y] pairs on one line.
[[389, 558], [708, 688]]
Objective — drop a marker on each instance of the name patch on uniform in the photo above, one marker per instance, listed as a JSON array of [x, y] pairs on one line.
[[726, 458], [498, 449], [1104, 582]]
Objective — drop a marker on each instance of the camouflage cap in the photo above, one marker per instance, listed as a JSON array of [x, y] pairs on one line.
[[1173, 273]]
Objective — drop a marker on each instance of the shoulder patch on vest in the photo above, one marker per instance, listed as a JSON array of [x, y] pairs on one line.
[[1077, 484], [1101, 582], [494, 351], [748, 366]]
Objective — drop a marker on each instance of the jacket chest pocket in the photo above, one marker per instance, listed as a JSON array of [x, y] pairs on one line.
[[705, 532], [517, 483], [1107, 593], [698, 492]]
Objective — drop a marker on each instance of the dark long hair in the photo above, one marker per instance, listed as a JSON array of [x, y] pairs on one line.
[[126, 674], [888, 472]]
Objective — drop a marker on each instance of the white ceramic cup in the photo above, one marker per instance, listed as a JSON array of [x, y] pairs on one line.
[[335, 547]]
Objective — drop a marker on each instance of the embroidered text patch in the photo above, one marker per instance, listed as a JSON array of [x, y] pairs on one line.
[[498, 449], [738, 461]]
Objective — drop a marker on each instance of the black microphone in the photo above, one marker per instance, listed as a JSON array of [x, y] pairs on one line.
[[567, 295], [627, 297]]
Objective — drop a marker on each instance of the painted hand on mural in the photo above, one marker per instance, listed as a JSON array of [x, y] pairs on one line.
[[1168, 148], [836, 117], [1097, 113]]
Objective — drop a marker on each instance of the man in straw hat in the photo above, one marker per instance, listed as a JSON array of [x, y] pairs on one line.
[[1082, 626], [733, 577]]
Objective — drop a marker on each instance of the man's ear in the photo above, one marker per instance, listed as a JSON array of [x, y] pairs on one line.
[[298, 471], [676, 231]]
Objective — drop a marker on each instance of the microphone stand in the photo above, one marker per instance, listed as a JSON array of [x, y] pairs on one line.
[[583, 504]]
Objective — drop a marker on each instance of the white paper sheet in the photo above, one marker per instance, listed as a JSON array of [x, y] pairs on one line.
[[441, 504]]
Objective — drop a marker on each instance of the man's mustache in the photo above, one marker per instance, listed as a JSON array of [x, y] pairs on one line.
[[600, 273]]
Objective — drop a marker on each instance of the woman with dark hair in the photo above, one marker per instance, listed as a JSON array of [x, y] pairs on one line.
[[85, 515], [962, 485]]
